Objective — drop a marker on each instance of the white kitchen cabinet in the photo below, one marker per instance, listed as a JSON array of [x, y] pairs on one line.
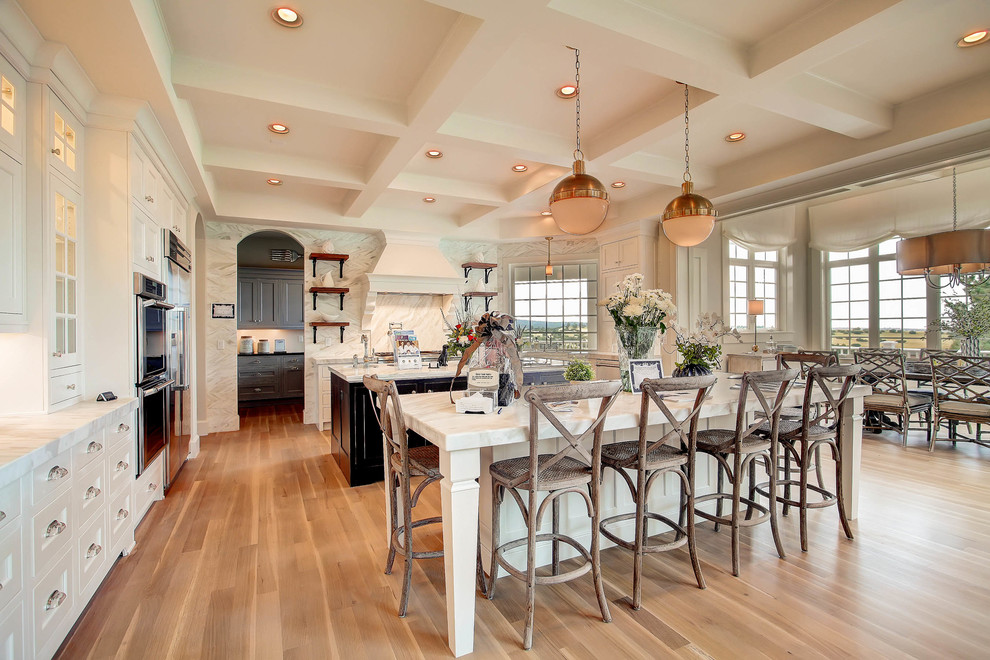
[[145, 180], [12, 631], [621, 254], [65, 271], [52, 604], [13, 296], [146, 243], [65, 141], [11, 573], [323, 389], [179, 211], [148, 488], [13, 110]]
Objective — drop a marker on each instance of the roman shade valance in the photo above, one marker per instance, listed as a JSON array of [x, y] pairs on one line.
[[911, 210], [764, 230]]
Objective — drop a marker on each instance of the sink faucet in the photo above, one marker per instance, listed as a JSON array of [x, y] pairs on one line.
[[364, 340]]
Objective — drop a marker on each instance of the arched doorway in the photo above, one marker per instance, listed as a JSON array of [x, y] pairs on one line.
[[270, 319]]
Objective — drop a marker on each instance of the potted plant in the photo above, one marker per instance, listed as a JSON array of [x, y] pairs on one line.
[[701, 350], [967, 319], [578, 370]]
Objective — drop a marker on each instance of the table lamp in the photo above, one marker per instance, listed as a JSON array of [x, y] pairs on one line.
[[754, 308]]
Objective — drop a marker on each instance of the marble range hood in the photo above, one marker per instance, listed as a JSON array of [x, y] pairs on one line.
[[411, 264]]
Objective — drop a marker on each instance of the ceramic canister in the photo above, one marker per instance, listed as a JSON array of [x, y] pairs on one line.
[[264, 346], [245, 345]]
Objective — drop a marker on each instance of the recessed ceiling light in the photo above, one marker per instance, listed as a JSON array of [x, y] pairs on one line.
[[519, 168], [429, 200], [618, 184], [546, 214], [287, 17], [281, 129], [735, 137], [974, 39], [274, 182], [434, 153], [567, 91]]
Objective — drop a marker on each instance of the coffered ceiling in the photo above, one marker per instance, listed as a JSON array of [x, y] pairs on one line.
[[828, 93]]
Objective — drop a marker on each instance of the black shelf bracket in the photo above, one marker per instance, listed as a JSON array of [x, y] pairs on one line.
[[316, 293], [468, 269], [314, 329]]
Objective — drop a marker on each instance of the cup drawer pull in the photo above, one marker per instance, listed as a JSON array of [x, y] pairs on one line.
[[57, 473], [122, 465], [123, 428], [55, 528], [94, 549], [56, 599], [92, 493], [152, 486], [122, 514], [94, 447]]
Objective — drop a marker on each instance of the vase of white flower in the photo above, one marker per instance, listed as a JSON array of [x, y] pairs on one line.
[[639, 315]]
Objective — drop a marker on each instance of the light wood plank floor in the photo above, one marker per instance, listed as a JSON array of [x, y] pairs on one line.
[[261, 551]]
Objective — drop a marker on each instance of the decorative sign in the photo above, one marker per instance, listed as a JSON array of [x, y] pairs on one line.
[[223, 311], [640, 370]]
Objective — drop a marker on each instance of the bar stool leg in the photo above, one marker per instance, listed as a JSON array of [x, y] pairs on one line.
[[640, 539], [596, 540], [837, 455], [531, 569], [407, 544], [556, 530], [497, 494], [805, 457], [692, 545], [734, 513]]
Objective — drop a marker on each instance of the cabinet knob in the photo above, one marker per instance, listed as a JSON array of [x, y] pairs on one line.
[[152, 486], [149, 198], [123, 428], [55, 528], [57, 151], [57, 473], [57, 354], [94, 549], [122, 514], [257, 389], [56, 599], [122, 465], [94, 447], [2, 515], [92, 493], [293, 368], [70, 386]]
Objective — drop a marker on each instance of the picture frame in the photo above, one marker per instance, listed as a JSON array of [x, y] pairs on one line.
[[640, 370], [223, 311]]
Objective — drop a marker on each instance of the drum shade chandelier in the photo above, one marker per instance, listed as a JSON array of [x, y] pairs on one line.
[[579, 202], [954, 253], [689, 218]]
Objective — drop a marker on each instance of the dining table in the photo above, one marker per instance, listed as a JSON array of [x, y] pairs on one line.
[[467, 442]]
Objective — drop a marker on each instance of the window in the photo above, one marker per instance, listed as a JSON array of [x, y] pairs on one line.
[[752, 276], [560, 311], [7, 98], [869, 303]]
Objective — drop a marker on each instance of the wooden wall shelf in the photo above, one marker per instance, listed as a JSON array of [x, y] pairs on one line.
[[326, 256], [479, 265], [317, 290], [329, 324]]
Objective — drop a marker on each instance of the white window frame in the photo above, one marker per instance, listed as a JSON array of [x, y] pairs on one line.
[[576, 260], [751, 264]]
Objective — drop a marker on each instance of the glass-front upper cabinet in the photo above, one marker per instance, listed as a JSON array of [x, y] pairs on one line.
[[64, 141], [12, 108], [65, 253]]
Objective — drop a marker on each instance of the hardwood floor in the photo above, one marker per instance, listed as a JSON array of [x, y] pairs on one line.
[[261, 551]]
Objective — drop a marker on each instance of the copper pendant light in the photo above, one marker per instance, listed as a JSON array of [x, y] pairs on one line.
[[689, 219], [953, 253], [579, 202]]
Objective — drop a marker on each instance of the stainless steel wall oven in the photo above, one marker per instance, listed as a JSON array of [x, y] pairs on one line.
[[153, 380]]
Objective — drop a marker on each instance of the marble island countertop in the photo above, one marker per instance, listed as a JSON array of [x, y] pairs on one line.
[[388, 371], [27, 441]]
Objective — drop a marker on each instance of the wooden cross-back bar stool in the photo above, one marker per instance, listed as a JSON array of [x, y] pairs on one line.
[[572, 469], [650, 458]]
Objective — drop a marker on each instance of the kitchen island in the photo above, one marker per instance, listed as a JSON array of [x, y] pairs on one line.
[[356, 439]]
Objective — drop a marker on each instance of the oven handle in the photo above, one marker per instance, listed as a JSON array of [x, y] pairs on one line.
[[148, 391], [157, 303]]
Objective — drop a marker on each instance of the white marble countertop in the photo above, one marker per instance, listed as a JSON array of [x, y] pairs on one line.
[[22, 436], [389, 372], [433, 416]]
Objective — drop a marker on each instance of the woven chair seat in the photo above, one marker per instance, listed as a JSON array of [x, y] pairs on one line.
[[565, 472], [895, 402], [974, 411], [624, 454], [423, 461], [788, 429], [722, 441]]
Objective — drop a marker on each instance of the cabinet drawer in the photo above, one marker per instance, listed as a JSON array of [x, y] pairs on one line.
[[120, 469], [10, 504], [50, 477], [292, 360], [257, 392], [89, 450], [12, 633], [120, 429], [261, 377], [10, 568], [258, 361], [121, 518], [89, 492], [51, 529], [92, 550], [65, 386], [148, 487], [52, 603]]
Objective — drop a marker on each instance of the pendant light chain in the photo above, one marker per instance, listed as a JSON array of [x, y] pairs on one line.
[[953, 199], [578, 154], [687, 142]]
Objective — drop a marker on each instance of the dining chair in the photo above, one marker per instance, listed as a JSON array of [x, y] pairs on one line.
[[571, 469], [402, 464], [883, 369], [961, 387], [819, 426], [744, 446], [650, 458]]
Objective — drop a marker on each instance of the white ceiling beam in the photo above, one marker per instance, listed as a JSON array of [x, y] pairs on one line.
[[500, 137], [663, 170], [319, 172], [346, 111], [468, 191]]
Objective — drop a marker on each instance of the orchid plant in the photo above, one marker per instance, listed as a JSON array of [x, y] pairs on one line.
[[635, 307], [702, 346]]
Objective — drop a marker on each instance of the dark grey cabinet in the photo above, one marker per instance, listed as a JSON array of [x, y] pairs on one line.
[[264, 377], [269, 298]]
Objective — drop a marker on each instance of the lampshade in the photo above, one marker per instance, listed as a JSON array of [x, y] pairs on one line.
[[913, 256], [754, 307], [579, 202], [689, 219]]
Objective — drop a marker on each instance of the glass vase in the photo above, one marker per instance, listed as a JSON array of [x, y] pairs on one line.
[[635, 343], [969, 346]]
